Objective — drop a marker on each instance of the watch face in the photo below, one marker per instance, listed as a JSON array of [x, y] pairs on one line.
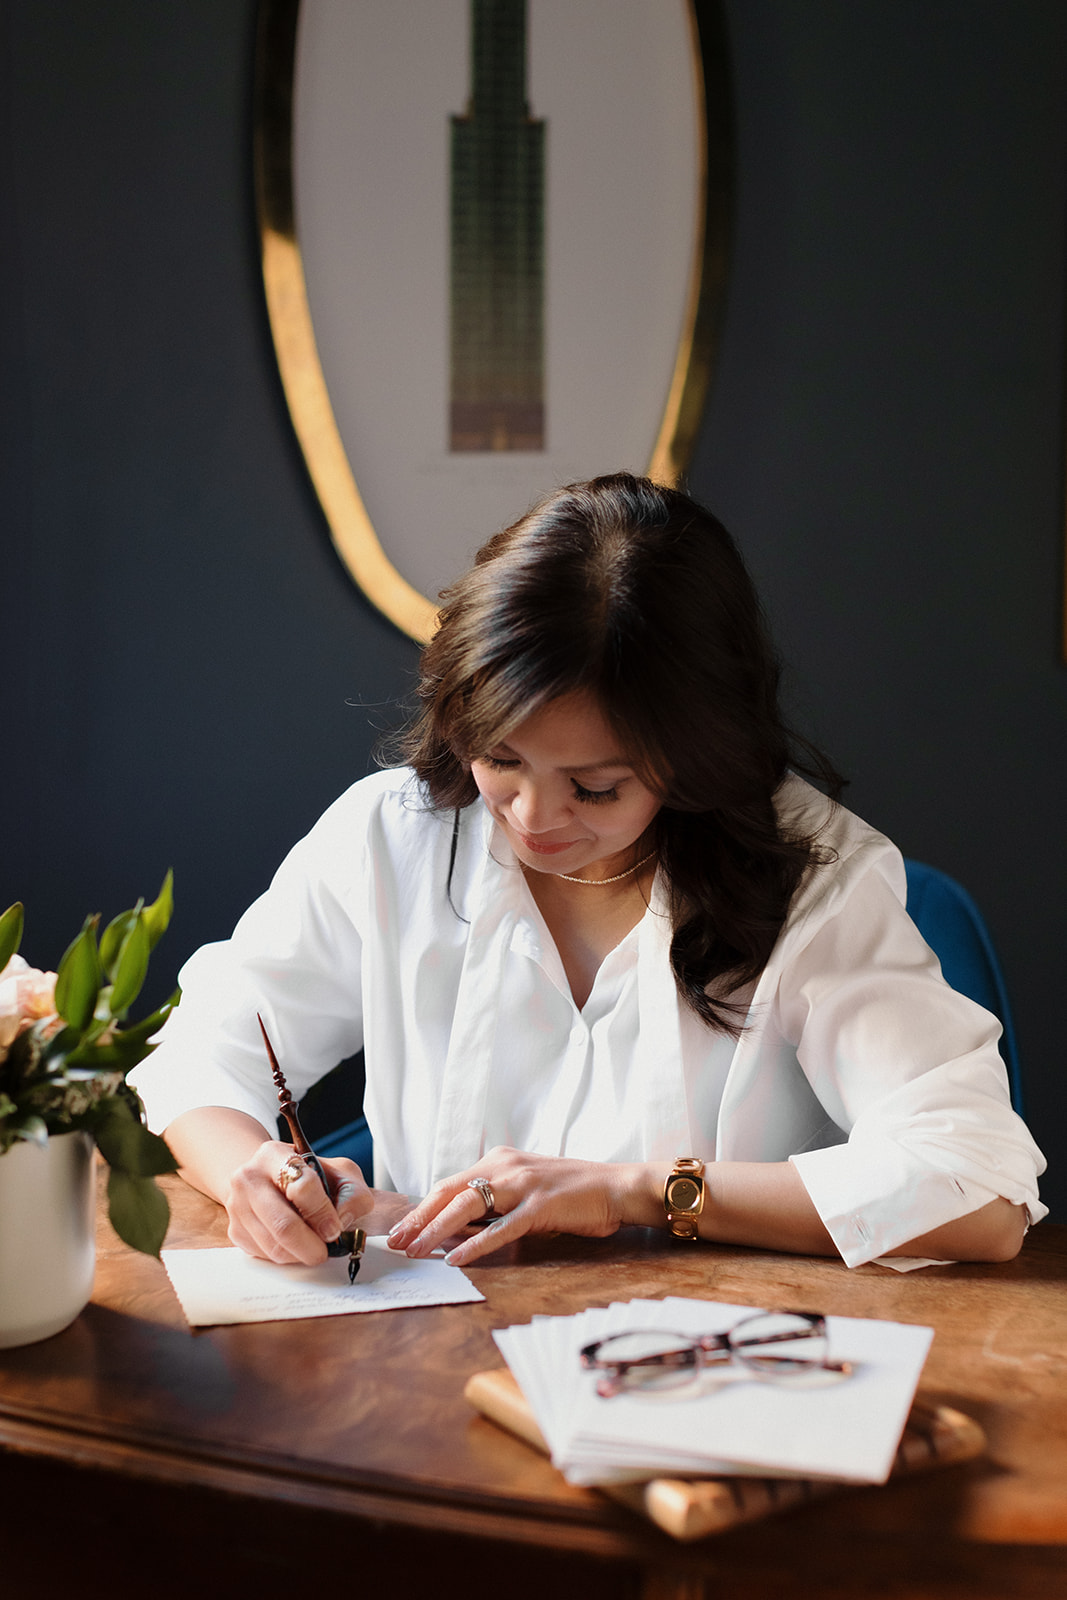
[[684, 1193]]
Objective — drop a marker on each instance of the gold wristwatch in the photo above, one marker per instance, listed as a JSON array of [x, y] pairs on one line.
[[683, 1197]]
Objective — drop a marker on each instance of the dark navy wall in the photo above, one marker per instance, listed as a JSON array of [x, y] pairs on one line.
[[189, 675]]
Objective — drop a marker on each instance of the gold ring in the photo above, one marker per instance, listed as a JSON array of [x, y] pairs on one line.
[[292, 1169]]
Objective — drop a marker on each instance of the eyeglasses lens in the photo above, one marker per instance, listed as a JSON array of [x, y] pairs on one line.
[[645, 1361], [780, 1345]]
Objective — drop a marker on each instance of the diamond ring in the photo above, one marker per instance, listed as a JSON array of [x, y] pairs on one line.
[[484, 1189]]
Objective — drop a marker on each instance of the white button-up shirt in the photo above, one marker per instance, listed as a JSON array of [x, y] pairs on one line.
[[857, 1062]]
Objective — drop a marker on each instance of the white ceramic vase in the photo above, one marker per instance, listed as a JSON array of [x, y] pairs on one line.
[[47, 1245]]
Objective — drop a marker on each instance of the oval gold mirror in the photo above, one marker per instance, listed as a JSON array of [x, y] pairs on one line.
[[494, 252]]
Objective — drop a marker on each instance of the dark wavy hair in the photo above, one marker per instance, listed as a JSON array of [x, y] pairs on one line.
[[636, 595]]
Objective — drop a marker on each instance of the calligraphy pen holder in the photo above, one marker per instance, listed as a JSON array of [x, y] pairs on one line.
[[353, 1242]]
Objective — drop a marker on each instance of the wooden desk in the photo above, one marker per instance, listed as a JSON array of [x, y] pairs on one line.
[[138, 1457]]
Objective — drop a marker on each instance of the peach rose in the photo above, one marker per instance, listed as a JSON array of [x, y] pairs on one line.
[[26, 996]]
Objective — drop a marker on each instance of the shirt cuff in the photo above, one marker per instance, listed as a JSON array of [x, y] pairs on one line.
[[876, 1195]]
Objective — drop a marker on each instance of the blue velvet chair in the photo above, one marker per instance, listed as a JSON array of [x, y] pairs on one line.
[[952, 926], [353, 1141], [948, 920]]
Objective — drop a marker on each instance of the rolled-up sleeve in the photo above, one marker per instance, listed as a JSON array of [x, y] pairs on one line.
[[908, 1069]]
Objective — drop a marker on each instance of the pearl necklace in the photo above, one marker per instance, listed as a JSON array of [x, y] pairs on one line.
[[597, 882]]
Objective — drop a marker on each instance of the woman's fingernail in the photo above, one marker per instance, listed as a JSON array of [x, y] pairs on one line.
[[396, 1230]]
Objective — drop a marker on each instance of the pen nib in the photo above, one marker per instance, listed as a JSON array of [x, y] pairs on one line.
[[359, 1243]]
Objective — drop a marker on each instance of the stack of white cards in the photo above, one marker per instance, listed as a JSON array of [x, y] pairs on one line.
[[730, 1422]]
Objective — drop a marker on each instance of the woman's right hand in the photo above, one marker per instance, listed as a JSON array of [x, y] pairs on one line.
[[292, 1226]]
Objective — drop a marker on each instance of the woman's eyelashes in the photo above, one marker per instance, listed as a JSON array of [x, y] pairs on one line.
[[591, 797]]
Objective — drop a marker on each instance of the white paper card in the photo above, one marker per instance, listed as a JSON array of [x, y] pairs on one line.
[[733, 1423], [218, 1286]]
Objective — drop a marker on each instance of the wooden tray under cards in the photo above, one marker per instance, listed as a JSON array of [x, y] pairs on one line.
[[693, 1508]]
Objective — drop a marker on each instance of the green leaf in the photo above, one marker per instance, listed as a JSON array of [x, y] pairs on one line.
[[79, 978], [158, 914], [10, 933], [151, 1024], [138, 1210], [158, 1018], [128, 1047], [127, 1145], [114, 934], [122, 1053], [90, 1058], [102, 1019], [130, 967], [56, 1049]]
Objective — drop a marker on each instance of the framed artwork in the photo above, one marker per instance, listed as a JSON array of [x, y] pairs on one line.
[[494, 239]]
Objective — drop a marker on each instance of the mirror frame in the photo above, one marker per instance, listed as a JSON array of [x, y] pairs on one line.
[[289, 313]]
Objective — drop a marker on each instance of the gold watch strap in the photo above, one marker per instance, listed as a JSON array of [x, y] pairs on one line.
[[683, 1196]]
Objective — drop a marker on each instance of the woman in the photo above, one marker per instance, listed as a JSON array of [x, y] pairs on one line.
[[598, 925]]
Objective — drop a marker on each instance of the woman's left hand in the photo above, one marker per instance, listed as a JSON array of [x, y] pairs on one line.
[[532, 1194]]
